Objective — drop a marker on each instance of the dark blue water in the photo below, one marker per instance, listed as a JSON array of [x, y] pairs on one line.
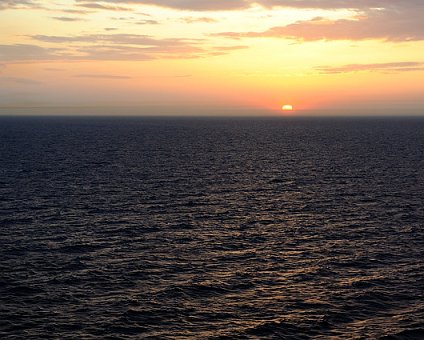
[[211, 228]]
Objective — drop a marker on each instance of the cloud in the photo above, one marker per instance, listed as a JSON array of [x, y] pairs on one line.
[[123, 18], [110, 47], [378, 67], [191, 20], [193, 5], [22, 81], [225, 5], [26, 52], [220, 5], [53, 69], [95, 5], [396, 23], [101, 76], [147, 22], [17, 4], [118, 39], [390, 20], [67, 19], [338, 4], [75, 11], [136, 21]]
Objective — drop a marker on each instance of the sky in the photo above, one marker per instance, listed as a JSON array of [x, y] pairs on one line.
[[199, 57]]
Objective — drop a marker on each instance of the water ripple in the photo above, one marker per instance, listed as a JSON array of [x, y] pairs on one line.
[[211, 228]]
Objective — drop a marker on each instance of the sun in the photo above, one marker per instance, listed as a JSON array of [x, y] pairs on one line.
[[287, 107]]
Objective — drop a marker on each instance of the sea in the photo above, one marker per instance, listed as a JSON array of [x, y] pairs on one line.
[[211, 228]]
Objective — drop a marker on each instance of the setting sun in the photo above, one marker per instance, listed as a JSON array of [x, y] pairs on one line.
[[186, 57]]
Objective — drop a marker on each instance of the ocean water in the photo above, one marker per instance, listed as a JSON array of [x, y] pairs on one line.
[[211, 228]]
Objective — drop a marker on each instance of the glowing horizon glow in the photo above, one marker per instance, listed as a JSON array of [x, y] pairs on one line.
[[287, 107], [212, 54]]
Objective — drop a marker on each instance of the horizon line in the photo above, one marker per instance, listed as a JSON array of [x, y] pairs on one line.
[[201, 111]]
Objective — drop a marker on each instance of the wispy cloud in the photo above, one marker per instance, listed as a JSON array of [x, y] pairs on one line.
[[191, 20], [18, 4], [389, 20], [102, 76], [75, 11], [378, 67], [147, 22], [389, 24], [26, 52], [118, 39], [53, 69], [22, 81], [68, 19], [111, 47], [338, 4], [225, 5], [136, 21], [193, 5], [96, 5]]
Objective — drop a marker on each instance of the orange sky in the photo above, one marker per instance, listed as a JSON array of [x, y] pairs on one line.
[[204, 57]]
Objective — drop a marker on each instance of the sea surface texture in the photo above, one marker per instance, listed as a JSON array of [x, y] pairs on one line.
[[211, 228]]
